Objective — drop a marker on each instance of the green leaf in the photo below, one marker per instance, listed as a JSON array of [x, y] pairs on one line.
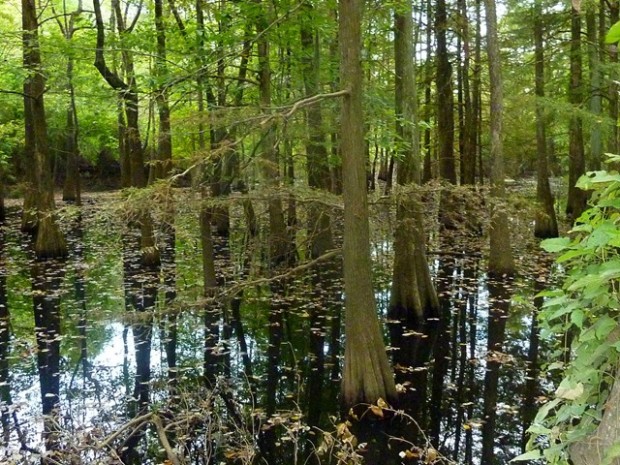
[[557, 244], [572, 254], [604, 326], [613, 35], [569, 390], [577, 317], [531, 455]]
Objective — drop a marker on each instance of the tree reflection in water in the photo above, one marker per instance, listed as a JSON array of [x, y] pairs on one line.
[[270, 353]]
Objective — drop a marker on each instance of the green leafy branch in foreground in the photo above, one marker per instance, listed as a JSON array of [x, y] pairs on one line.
[[582, 317]]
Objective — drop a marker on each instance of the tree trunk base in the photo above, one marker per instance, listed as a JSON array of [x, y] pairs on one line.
[[50, 241], [150, 257], [545, 224]]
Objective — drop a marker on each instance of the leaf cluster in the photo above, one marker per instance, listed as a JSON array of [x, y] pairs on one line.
[[582, 317]]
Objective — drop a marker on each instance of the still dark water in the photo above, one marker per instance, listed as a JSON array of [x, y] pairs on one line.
[[104, 362]]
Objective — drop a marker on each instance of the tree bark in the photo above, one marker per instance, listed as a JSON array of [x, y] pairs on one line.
[[367, 374]]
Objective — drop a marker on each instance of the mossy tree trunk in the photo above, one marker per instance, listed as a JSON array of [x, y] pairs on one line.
[[367, 373]]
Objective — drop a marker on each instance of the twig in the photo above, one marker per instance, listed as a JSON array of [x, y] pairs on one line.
[[304, 103], [314, 99], [293, 271]]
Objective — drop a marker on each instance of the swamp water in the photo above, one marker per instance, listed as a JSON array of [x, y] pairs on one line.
[[253, 376]]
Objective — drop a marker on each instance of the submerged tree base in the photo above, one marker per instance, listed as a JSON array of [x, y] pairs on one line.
[[50, 241]]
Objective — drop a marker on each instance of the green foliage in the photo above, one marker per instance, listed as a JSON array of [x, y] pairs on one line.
[[584, 312], [613, 35]]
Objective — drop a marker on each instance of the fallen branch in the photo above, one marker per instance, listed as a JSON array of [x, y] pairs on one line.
[[163, 439], [133, 422]]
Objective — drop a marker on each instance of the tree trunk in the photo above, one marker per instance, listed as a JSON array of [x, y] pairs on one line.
[[500, 254], [413, 294], [319, 221], [445, 99], [427, 173], [612, 140], [545, 224], [367, 374], [164, 139], [71, 188], [50, 241], [596, 137], [476, 96], [468, 154], [278, 237], [577, 198]]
